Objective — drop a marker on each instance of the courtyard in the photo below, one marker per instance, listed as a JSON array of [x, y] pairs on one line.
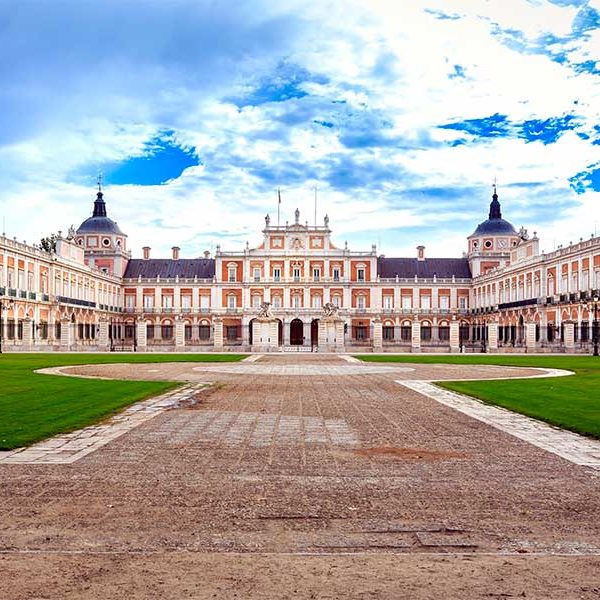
[[304, 476]]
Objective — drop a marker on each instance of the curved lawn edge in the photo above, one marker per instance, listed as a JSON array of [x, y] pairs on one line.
[[571, 403], [34, 407]]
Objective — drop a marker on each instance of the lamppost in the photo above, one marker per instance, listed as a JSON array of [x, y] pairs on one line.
[[4, 305], [593, 305]]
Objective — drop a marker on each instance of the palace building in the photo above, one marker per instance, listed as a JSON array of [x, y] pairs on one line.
[[299, 291]]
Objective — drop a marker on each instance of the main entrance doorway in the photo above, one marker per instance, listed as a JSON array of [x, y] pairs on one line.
[[296, 332]]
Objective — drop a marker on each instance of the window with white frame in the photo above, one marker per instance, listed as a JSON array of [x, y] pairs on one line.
[[426, 302], [317, 301], [11, 278], [360, 274], [232, 273], [316, 274], [148, 302], [231, 301], [186, 302], [361, 302], [204, 301], [406, 302], [129, 301], [276, 273], [296, 273], [167, 301], [336, 300], [388, 302], [296, 302], [336, 273], [256, 300], [30, 281], [463, 303], [276, 301], [256, 273], [444, 302]]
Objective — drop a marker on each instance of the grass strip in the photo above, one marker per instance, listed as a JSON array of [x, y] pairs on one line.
[[34, 407], [569, 402]]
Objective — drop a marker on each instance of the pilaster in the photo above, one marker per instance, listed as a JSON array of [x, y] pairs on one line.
[[454, 336], [530, 341], [492, 329], [416, 336], [569, 335], [377, 335], [218, 332], [179, 332], [103, 341]]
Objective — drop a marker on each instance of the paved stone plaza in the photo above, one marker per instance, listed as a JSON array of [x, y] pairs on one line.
[[305, 476]]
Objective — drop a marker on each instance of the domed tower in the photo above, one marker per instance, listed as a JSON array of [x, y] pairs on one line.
[[104, 244], [491, 242]]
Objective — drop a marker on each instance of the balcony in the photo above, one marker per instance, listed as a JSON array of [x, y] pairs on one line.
[[77, 302]]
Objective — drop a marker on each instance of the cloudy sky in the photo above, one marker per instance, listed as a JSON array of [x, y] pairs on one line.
[[401, 112]]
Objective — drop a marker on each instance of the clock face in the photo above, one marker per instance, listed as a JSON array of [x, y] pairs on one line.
[[502, 244]]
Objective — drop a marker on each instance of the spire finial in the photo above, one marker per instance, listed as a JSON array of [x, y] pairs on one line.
[[99, 205], [99, 181], [495, 209]]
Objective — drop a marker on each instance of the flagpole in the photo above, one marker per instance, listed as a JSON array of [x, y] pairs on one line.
[[278, 204], [315, 205]]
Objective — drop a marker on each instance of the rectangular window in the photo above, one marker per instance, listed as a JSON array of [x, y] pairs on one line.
[[360, 274], [296, 302], [336, 301], [296, 274], [316, 274], [204, 302], [317, 302], [256, 301], [256, 273], [388, 333], [232, 274], [336, 273], [129, 301], [360, 302], [167, 301], [406, 302], [204, 332], [388, 302], [276, 301], [462, 303], [444, 302], [186, 302], [277, 274], [148, 302], [426, 302], [231, 301]]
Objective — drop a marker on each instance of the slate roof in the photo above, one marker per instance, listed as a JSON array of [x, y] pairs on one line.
[[167, 268], [409, 267]]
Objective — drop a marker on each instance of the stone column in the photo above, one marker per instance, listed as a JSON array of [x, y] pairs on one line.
[[179, 332], [246, 332], [377, 335], [27, 333], [306, 328], [492, 336], [569, 335], [454, 336], [340, 346], [416, 336], [141, 335], [324, 342], [218, 333], [102, 337], [66, 333], [530, 342]]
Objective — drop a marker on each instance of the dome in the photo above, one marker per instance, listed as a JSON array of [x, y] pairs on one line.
[[495, 224], [494, 227], [99, 225], [99, 222]]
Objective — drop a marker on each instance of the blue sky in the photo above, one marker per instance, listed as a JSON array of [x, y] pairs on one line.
[[401, 113]]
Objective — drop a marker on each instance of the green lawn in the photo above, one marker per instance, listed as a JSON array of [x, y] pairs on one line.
[[570, 402], [34, 406]]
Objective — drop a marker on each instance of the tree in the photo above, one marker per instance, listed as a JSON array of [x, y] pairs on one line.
[[49, 243]]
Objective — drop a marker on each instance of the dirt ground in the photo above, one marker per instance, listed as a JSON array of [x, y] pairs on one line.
[[303, 485]]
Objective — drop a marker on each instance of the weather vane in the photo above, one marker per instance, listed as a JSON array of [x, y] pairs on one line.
[[99, 181]]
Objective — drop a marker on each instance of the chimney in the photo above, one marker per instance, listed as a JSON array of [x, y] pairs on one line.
[[420, 252], [207, 254], [146, 251], [175, 250]]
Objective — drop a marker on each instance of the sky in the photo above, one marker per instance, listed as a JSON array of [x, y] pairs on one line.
[[400, 113]]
